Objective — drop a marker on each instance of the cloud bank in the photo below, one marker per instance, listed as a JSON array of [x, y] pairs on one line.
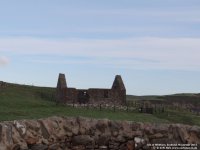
[[133, 53]]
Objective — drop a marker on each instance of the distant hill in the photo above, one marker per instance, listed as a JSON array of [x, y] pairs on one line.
[[49, 94], [31, 102], [183, 98]]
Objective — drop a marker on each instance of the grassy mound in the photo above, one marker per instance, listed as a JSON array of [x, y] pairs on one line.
[[29, 102]]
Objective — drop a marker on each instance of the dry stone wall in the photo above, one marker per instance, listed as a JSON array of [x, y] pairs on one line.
[[64, 133]]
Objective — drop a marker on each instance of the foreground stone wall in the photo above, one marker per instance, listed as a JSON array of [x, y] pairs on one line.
[[60, 133]]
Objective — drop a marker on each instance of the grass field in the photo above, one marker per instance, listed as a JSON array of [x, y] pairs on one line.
[[28, 102]]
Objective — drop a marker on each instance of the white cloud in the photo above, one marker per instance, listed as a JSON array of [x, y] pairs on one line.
[[3, 60], [140, 53]]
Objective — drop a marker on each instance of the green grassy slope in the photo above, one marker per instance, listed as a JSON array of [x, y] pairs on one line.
[[148, 97], [28, 102]]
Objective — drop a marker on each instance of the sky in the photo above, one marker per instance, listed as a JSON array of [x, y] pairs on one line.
[[153, 44]]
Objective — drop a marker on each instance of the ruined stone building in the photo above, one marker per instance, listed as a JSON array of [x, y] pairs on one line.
[[114, 96], [2, 84]]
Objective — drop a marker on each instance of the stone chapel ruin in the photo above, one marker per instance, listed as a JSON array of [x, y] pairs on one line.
[[114, 96]]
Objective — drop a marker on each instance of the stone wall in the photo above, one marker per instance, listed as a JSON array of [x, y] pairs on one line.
[[61, 133], [71, 94], [3, 84], [105, 96]]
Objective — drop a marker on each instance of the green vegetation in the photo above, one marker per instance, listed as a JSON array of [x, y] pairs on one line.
[[148, 97], [29, 102], [183, 117]]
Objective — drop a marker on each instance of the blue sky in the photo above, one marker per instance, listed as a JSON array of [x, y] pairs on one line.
[[154, 45]]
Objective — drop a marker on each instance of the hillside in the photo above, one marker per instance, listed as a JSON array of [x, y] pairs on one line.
[[183, 98], [28, 102]]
